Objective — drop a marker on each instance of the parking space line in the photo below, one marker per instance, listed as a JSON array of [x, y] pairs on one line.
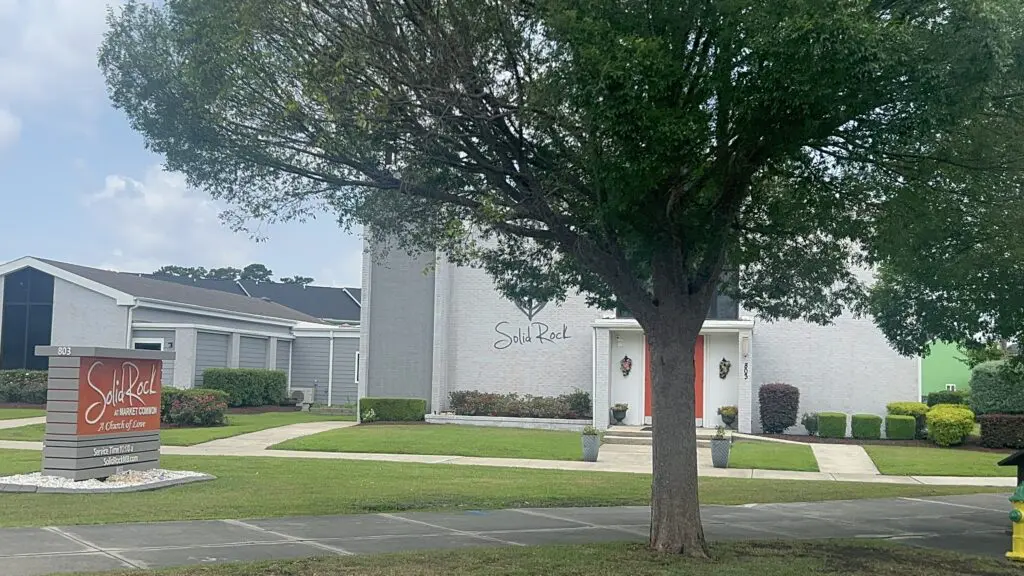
[[451, 530], [954, 504], [617, 527], [289, 538], [110, 554]]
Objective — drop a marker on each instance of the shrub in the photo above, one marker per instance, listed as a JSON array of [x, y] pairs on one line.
[[900, 427], [916, 409], [197, 407], [810, 422], [248, 386], [956, 397], [997, 388], [23, 386], [475, 403], [780, 404], [948, 425], [832, 424], [866, 426], [1002, 430], [394, 409]]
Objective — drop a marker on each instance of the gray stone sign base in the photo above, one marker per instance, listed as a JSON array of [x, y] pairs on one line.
[[28, 488]]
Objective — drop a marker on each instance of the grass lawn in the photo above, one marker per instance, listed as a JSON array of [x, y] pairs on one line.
[[15, 413], [772, 456], [237, 424], [733, 559], [254, 487], [444, 439], [904, 461]]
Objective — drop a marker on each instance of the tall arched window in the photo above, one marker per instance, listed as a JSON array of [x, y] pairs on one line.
[[27, 319]]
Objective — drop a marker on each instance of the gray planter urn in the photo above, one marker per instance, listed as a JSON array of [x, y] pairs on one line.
[[720, 452], [591, 446]]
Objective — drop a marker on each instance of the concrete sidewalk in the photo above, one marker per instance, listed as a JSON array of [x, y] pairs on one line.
[[19, 422], [969, 524], [843, 459]]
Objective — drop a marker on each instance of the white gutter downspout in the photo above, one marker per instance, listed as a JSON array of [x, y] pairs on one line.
[[291, 347], [593, 377], [128, 331], [330, 370]]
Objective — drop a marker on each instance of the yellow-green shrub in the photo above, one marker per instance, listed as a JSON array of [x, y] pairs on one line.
[[948, 424]]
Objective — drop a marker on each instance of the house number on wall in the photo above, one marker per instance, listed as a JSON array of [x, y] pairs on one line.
[[746, 370]]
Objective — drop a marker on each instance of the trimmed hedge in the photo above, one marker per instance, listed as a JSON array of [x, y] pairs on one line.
[[574, 406], [394, 409], [248, 386], [866, 426], [193, 407], [1002, 430], [780, 404], [23, 386], [832, 424], [810, 423], [997, 388], [948, 424], [916, 409], [900, 427], [955, 397]]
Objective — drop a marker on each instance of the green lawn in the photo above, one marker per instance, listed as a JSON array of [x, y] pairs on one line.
[[905, 461], [16, 413], [772, 456], [237, 424], [444, 439], [823, 558], [255, 487]]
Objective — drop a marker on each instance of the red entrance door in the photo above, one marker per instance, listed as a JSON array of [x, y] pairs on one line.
[[698, 381]]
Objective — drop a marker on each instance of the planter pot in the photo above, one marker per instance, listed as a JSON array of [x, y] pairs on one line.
[[591, 446], [720, 452], [619, 416], [728, 421]]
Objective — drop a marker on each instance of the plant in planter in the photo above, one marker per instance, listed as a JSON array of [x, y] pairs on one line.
[[619, 412], [720, 446], [728, 415], [591, 439]]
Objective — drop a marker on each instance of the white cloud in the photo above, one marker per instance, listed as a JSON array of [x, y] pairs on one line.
[[10, 126], [159, 220]]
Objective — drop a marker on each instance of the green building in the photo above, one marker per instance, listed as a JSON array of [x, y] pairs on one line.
[[943, 369]]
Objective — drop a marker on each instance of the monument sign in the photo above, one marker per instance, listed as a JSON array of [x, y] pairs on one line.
[[102, 410]]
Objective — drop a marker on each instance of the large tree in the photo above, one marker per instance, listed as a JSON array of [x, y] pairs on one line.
[[633, 151]]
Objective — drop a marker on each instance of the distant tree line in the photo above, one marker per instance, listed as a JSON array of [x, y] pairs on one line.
[[252, 272]]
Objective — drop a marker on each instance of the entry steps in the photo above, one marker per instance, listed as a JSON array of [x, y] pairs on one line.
[[643, 436]]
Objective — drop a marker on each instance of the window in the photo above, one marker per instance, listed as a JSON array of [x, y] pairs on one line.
[[148, 344], [27, 319], [950, 387], [357, 367]]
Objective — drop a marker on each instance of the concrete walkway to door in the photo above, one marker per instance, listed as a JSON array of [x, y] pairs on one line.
[[843, 459]]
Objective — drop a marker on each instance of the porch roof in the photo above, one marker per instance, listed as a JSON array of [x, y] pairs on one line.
[[710, 326]]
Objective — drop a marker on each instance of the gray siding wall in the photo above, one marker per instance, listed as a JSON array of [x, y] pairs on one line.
[[252, 352], [211, 352], [283, 349], [168, 336], [150, 315], [343, 386], [400, 327], [310, 365], [82, 317]]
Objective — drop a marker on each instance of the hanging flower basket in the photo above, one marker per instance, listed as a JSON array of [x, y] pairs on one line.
[[626, 365]]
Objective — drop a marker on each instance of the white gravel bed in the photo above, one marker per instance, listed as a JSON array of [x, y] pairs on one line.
[[130, 479]]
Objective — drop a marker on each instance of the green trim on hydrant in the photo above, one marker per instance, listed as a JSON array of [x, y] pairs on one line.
[[1018, 496]]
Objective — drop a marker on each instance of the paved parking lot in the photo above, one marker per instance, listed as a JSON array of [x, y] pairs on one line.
[[974, 524]]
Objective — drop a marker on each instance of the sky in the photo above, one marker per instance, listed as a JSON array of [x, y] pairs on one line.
[[77, 184]]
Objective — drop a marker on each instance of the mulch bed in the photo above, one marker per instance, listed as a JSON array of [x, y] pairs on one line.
[[970, 444]]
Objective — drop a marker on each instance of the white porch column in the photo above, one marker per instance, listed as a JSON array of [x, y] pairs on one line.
[[600, 395], [746, 388]]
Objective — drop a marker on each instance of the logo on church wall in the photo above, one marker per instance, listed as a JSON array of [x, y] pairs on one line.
[[532, 333], [529, 307]]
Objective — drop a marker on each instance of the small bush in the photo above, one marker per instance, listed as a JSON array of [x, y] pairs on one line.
[[810, 422], [832, 424], [780, 404], [23, 386], [900, 427], [956, 397], [475, 403], [248, 386], [916, 409], [197, 407], [1002, 430], [948, 425], [866, 426], [997, 388], [394, 409]]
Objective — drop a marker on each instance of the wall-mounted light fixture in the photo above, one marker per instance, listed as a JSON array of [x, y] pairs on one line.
[[745, 346]]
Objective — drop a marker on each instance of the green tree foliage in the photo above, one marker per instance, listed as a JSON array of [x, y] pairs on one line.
[[627, 150], [301, 280], [252, 272], [256, 273]]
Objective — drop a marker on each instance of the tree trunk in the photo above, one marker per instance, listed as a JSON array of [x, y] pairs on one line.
[[675, 511]]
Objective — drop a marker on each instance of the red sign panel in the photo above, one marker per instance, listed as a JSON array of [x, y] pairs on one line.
[[118, 396]]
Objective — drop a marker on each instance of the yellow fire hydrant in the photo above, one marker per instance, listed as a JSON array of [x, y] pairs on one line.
[[1017, 517]]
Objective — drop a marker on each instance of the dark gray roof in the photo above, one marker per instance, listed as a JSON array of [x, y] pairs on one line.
[[153, 289], [322, 302]]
